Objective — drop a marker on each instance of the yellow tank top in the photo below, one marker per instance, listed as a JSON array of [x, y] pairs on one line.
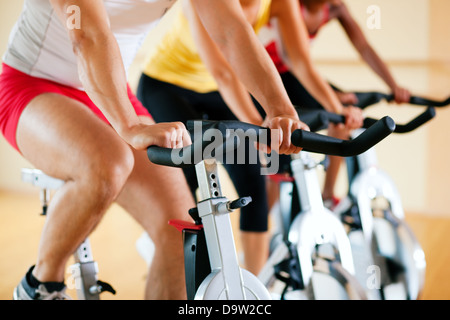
[[176, 59]]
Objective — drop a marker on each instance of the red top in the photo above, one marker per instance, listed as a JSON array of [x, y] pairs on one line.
[[272, 48]]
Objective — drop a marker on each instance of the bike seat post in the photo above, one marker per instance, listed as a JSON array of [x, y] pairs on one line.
[[212, 208], [45, 199], [46, 183], [84, 272]]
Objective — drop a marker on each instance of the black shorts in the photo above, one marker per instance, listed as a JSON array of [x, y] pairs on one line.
[[299, 96], [168, 103]]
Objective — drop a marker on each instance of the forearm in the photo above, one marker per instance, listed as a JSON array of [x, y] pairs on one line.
[[100, 65], [363, 47], [246, 55], [239, 101], [317, 87], [104, 80], [378, 66], [294, 35], [230, 87], [261, 77]]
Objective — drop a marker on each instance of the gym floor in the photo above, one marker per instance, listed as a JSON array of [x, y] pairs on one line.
[[114, 241]]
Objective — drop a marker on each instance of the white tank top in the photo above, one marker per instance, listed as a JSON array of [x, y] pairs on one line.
[[39, 44]]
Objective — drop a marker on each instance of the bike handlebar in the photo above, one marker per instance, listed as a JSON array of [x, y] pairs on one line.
[[335, 118], [309, 141], [415, 123], [366, 99], [317, 143], [316, 119]]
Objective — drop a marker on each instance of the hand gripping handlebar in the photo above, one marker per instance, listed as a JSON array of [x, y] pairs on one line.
[[322, 118], [317, 143], [227, 136], [366, 99]]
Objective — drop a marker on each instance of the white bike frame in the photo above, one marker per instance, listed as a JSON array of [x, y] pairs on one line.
[[313, 227], [227, 281], [369, 184]]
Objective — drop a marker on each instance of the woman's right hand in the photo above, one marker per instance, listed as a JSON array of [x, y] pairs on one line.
[[167, 135], [347, 98], [354, 118]]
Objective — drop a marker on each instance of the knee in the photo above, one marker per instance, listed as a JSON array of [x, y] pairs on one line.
[[340, 132], [107, 174]]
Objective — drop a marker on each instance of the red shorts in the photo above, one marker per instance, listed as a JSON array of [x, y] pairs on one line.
[[17, 89]]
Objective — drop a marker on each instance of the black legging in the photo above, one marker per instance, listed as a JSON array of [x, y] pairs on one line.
[[297, 93], [168, 103]]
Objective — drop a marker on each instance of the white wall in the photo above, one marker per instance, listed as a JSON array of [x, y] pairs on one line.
[[413, 33], [10, 160], [403, 33]]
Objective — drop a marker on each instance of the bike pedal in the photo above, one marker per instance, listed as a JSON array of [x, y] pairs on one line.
[[105, 287]]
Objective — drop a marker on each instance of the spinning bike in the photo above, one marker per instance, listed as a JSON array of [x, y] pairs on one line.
[[311, 256], [84, 271], [211, 265], [390, 261], [211, 272]]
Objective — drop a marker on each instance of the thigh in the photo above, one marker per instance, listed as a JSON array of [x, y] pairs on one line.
[[61, 136], [155, 194]]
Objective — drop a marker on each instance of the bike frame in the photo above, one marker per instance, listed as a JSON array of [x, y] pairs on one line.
[[307, 231], [368, 183]]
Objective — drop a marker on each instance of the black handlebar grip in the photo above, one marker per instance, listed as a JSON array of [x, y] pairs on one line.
[[164, 156], [316, 120], [232, 127], [415, 100], [337, 118], [228, 136], [334, 117], [317, 143], [424, 117], [421, 119], [192, 154], [314, 142], [366, 99]]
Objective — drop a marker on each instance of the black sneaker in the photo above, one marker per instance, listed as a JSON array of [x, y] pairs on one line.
[[26, 292]]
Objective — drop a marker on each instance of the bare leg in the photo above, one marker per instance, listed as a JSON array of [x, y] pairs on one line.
[[154, 195], [255, 246], [97, 165], [273, 192], [64, 139], [334, 165]]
